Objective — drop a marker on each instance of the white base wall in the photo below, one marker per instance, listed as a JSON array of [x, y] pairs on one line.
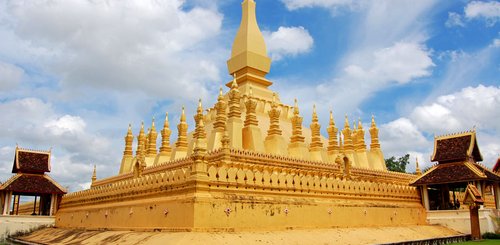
[[11, 224], [459, 220]]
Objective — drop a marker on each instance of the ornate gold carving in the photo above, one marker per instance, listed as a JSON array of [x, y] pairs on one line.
[[274, 117], [129, 138], [182, 131], [315, 132], [374, 135], [251, 105], [165, 137], [333, 144], [296, 125], [234, 100], [153, 135]]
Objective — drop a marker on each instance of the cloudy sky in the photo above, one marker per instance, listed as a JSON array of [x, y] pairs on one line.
[[73, 74]]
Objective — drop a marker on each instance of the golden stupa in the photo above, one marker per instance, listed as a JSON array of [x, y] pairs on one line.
[[249, 164]]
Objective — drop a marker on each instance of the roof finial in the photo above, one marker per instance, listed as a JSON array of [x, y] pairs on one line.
[[296, 107], [234, 84], [200, 107], [94, 175], [183, 115], [153, 128], [417, 168]]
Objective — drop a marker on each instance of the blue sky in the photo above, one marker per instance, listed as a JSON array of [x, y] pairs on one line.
[[73, 74]]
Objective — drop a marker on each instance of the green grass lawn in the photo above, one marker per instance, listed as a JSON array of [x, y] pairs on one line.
[[482, 242]]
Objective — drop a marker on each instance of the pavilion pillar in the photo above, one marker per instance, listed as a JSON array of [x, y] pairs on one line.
[[52, 204], [425, 197], [496, 193], [6, 206], [474, 222]]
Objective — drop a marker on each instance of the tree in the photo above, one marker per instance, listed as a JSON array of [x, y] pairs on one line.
[[397, 165]]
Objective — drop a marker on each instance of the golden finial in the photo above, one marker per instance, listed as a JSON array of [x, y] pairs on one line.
[[153, 128], [360, 125], [221, 96], [296, 107], [314, 114], [234, 84], [200, 107], [142, 128], [346, 122], [183, 115], [129, 128], [94, 174], [373, 122], [166, 125], [417, 168]]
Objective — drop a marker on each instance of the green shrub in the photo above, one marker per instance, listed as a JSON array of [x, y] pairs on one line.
[[491, 235]]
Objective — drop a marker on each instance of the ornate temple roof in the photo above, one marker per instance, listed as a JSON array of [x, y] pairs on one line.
[[456, 147], [32, 184], [456, 172], [496, 168], [456, 155], [31, 161]]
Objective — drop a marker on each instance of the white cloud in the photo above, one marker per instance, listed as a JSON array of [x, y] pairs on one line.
[[490, 11], [454, 19], [451, 113], [333, 5], [496, 43], [400, 135], [386, 48], [400, 63], [66, 124], [288, 41], [10, 76], [472, 106], [119, 45]]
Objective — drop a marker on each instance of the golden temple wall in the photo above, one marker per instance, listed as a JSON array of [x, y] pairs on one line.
[[244, 191]]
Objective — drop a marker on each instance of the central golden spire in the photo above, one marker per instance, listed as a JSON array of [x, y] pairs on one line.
[[249, 60]]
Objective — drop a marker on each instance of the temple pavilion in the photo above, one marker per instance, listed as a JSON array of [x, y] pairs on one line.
[[30, 179], [457, 158]]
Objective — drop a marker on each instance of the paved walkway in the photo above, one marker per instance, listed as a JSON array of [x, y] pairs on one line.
[[375, 235]]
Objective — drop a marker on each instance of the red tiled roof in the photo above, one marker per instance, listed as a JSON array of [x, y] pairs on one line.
[[26, 161], [32, 184], [456, 172], [456, 148], [496, 168]]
